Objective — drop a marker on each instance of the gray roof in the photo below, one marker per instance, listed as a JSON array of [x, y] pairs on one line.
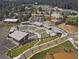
[[13, 29], [10, 20], [38, 23], [18, 35], [33, 37]]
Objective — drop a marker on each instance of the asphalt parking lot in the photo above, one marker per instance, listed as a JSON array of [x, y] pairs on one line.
[[3, 57], [5, 44]]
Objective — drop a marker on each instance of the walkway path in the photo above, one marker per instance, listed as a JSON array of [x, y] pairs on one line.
[[32, 51]]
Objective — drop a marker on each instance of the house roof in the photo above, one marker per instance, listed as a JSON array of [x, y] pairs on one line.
[[47, 26], [56, 15], [13, 28], [52, 34], [18, 35], [55, 20], [10, 20], [38, 23]]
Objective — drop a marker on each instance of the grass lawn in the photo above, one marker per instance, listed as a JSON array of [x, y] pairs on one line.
[[44, 34], [48, 39], [32, 28], [67, 45], [40, 31], [7, 26], [18, 50]]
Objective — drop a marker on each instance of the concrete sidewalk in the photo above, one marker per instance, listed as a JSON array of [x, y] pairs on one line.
[[32, 51]]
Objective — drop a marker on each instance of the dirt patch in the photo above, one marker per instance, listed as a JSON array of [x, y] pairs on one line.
[[61, 55], [64, 55], [68, 28]]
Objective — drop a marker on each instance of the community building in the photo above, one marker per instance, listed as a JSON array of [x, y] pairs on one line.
[[18, 36]]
